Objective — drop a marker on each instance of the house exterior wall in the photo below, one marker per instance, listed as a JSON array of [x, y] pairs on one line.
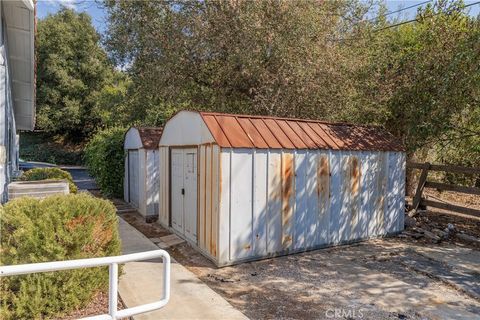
[[275, 202], [8, 137]]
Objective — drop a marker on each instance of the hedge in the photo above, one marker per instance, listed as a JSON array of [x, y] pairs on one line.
[[105, 160], [49, 174], [56, 228]]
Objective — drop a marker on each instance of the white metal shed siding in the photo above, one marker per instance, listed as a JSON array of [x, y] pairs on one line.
[[281, 201]]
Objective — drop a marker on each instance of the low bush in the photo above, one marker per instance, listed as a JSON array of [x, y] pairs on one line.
[[49, 174], [52, 229], [104, 157]]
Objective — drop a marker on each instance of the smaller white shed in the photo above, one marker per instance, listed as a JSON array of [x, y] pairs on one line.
[[141, 170]]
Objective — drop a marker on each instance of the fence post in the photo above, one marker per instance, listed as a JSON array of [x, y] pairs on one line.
[[113, 290], [421, 186]]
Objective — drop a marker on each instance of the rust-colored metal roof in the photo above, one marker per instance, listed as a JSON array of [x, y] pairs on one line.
[[150, 136], [245, 131]]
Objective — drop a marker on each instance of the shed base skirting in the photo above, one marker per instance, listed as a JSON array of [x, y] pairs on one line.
[[281, 253], [151, 218]]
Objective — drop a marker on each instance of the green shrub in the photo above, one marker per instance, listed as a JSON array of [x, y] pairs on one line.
[[53, 229], [49, 174], [104, 157], [38, 146]]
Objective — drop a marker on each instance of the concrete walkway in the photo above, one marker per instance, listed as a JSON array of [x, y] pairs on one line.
[[141, 283]]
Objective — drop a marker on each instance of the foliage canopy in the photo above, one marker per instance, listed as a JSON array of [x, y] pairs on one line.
[[72, 71], [310, 59]]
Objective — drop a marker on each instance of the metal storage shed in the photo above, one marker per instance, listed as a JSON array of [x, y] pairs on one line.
[[243, 187], [141, 170]]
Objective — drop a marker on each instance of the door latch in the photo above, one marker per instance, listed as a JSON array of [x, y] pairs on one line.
[[183, 191]]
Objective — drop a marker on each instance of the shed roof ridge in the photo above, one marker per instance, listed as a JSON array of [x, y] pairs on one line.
[[149, 136], [333, 123], [288, 133]]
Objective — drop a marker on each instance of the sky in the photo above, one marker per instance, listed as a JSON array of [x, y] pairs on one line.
[[94, 8]]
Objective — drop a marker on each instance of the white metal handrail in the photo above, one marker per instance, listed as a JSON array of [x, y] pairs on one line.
[[112, 262]]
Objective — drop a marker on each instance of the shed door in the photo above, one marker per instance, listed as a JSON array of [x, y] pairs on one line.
[[133, 178], [184, 192]]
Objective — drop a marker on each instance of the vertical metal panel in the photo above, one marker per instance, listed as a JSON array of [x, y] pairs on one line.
[[322, 212], [163, 186], [208, 196], [336, 196], [311, 225], [344, 223], [274, 222], [142, 181], [395, 192], [152, 182], [126, 183], [401, 191], [355, 174], [190, 212], [166, 183], [224, 210], [241, 204], [301, 200], [288, 199], [201, 197], [134, 171], [260, 169], [215, 200], [370, 175], [362, 227], [177, 164], [379, 192]]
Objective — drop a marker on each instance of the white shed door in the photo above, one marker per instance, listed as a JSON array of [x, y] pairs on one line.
[[133, 178], [184, 192]]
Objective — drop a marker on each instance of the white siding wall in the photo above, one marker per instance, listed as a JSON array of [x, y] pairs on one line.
[[138, 167], [279, 201], [152, 182]]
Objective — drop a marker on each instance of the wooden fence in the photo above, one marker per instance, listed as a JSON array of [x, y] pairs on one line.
[[423, 183]]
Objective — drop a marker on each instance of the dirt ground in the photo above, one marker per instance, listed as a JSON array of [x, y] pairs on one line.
[[402, 277], [98, 306]]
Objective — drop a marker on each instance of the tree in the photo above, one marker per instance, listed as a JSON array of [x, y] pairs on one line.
[[72, 68], [421, 77], [262, 57], [308, 59]]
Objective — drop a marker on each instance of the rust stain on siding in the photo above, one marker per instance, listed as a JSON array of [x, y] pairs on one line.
[[323, 180], [287, 194], [354, 174], [354, 188]]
